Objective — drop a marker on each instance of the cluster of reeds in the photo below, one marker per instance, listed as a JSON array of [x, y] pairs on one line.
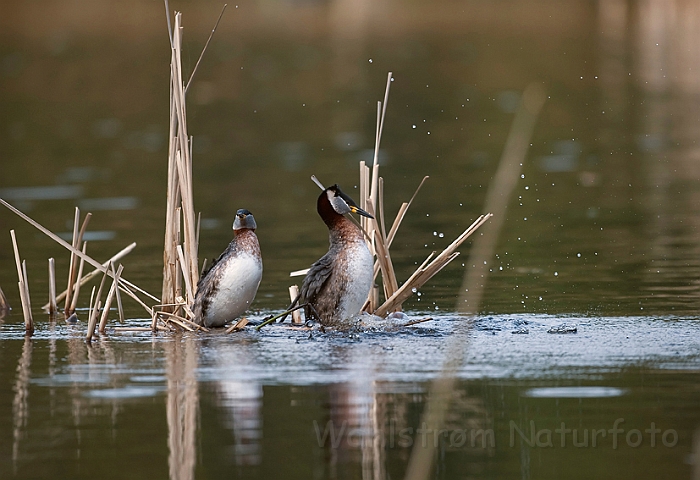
[[379, 241], [180, 271], [180, 253], [79, 258]]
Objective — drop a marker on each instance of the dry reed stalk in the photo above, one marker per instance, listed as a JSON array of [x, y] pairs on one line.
[[206, 45], [110, 297], [183, 263], [124, 285], [426, 272], [78, 239], [375, 228], [402, 213], [4, 306], [23, 287], [73, 261], [86, 278], [117, 278], [53, 308], [92, 298], [181, 303], [76, 288], [92, 323], [395, 227], [180, 192], [293, 294], [238, 325], [363, 193]]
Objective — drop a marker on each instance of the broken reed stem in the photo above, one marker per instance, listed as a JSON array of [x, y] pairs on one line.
[[117, 277], [402, 213], [114, 259], [237, 326], [78, 239], [23, 288], [76, 288], [73, 262], [28, 318], [293, 294], [183, 265], [92, 323], [124, 285], [53, 308], [110, 297]]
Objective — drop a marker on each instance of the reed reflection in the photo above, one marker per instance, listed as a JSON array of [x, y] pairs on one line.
[[20, 402], [373, 426], [182, 353]]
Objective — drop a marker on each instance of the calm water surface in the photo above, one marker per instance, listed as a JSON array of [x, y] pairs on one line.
[[601, 235]]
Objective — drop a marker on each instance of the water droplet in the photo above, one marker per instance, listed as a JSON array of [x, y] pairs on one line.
[[414, 126], [370, 60], [556, 274], [441, 235]]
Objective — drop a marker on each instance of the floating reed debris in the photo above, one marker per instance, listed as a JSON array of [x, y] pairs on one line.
[[23, 288], [53, 308], [238, 325]]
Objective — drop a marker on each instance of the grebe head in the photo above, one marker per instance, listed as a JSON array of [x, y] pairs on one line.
[[244, 219], [342, 203]]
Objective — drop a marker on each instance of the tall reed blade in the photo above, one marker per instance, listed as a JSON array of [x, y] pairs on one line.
[[23, 287]]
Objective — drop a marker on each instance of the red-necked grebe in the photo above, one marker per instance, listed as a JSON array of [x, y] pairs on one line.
[[226, 291], [337, 285]]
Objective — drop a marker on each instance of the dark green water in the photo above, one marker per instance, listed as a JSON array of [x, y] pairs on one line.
[[601, 233]]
